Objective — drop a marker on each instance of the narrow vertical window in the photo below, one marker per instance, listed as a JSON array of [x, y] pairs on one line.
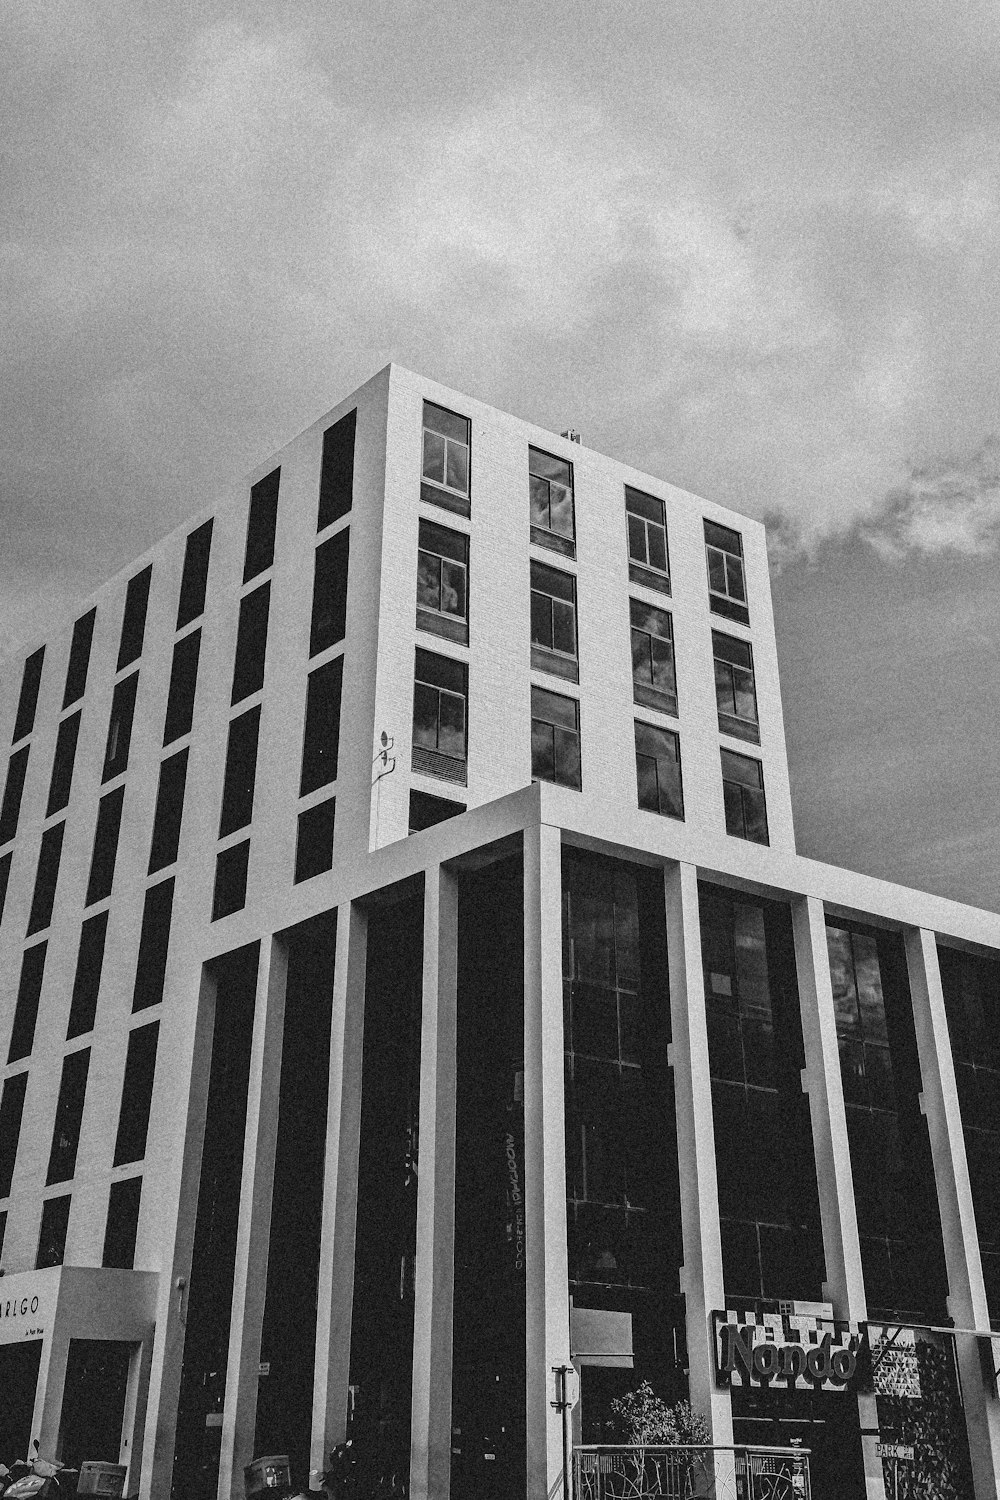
[[336, 480], [440, 715], [69, 1117], [10, 811], [61, 781], [727, 590], [11, 1111], [87, 980], [654, 681], [79, 658], [555, 738], [261, 525], [169, 812], [251, 643], [658, 770], [183, 682], [134, 618], [648, 560], [102, 861], [443, 582], [5, 863], [31, 681], [154, 943], [194, 577], [241, 772], [550, 483], [329, 606], [553, 622], [743, 793], [735, 688], [46, 879], [52, 1236], [314, 845], [445, 470], [29, 990], [120, 727], [123, 1224], [137, 1094], [230, 892], [321, 740]]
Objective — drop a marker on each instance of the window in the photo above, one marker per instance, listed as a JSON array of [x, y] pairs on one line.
[[11, 1110], [735, 691], [329, 606], [123, 1224], [261, 525], [654, 681], [550, 483], [27, 702], [336, 483], [743, 792], [79, 658], [17, 769], [52, 1237], [69, 1117], [137, 1094], [120, 727], [440, 696], [314, 845], [445, 472], [87, 981], [134, 618], [251, 643], [183, 681], [427, 810], [169, 812], [648, 559], [46, 878], [443, 582], [29, 990], [230, 892], [555, 738], [727, 594], [5, 863], [553, 622], [321, 740], [658, 770], [194, 577], [102, 863], [154, 940], [62, 764], [241, 772]]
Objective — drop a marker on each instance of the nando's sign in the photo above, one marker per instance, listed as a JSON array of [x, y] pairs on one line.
[[785, 1351]]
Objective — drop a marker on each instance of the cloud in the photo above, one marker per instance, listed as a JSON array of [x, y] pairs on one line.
[[949, 505]]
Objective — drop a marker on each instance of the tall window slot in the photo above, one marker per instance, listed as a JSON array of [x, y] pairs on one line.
[[262, 524], [169, 812], [120, 727], [251, 643], [87, 980], [46, 878], [658, 770], [154, 942], [329, 606], [553, 622], [194, 578], [134, 618], [654, 680], [27, 702], [123, 1224], [336, 480], [29, 990], [17, 770], [102, 861], [322, 727], [79, 658], [743, 793], [445, 471], [550, 484], [648, 559], [69, 1117], [555, 738], [137, 1094], [241, 773], [183, 682], [11, 1111], [52, 1235], [735, 688], [443, 582], [62, 764], [727, 590], [440, 699], [230, 892]]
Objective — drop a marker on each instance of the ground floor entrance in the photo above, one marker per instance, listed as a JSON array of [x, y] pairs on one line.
[[825, 1423]]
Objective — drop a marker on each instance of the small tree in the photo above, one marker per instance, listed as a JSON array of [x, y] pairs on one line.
[[641, 1417]]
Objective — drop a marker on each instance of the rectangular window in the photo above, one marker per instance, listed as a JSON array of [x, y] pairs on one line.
[[241, 773], [427, 810], [62, 764], [262, 523], [87, 981], [553, 622], [743, 792], [79, 658], [648, 559], [445, 471], [440, 696], [123, 1224], [11, 1110], [735, 690], [69, 1117], [137, 1094], [29, 990], [230, 892], [329, 606], [102, 862], [727, 593], [550, 482], [46, 879], [321, 740], [5, 863], [134, 618], [654, 681], [443, 582], [336, 478], [194, 577], [251, 643], [658, 770], [314, 846], [52, 1236], [17, 769], [154, 941], [183, 682], [169, 812], [555, 738], [120, 727], [27, 702]]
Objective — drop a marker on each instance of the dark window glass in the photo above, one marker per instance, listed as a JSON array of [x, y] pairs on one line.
[[735, 690], [553, 621], [183, 682], [314, 846], [261, 524], [79, 658], [31, 681], [443, 582], [102, 863], [5, 862], [11, 1110], [87, 981], [426, 810], [120, 727], [169, 812], [194, 578], [743, 792], [658, 770], [137, 1094], [440, 696], [336, 479], [46, 879], [654, 682], [241, 772], [727, 594], [29, 989], [3, 1228], [231, 881], [550, 484], [62, 764], [52, 1237], [555, 738], [322, 728], [123, 1224], [69, 1117], [154, 941], [329, 607], [17, 769], [134, 617], [251, 643], [647, 540], [445, 469]]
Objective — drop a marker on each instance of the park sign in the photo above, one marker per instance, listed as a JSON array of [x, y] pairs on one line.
[[784, 1350]]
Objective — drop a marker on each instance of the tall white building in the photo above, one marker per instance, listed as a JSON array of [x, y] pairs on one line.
[[411, 991]]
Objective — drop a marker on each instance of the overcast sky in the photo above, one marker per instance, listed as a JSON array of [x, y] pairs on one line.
[[750, 248]]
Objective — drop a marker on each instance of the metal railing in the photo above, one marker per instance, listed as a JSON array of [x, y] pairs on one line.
[[690, 1472]]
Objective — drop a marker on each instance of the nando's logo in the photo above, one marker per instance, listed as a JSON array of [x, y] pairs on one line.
[[789, 1352]]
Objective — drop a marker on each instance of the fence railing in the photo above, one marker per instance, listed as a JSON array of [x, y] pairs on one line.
[[690, 1472]]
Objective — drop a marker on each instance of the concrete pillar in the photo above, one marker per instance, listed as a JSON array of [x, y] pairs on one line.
[[546, 1266], [967, 1295], [430, 1433], [701, 1274], [49, 1392]]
